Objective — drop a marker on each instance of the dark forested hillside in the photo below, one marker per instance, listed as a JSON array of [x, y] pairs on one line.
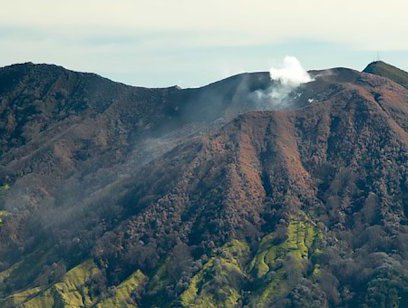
[[114, 195]]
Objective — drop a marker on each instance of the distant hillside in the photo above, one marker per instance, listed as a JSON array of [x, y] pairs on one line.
[[386, 70]]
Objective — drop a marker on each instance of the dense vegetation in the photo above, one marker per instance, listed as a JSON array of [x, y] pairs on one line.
[[148, 203]]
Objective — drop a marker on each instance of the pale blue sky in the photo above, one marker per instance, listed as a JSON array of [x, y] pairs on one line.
[[193, 42]]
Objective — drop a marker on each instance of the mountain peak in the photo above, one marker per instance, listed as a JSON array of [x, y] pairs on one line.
[[389, 71]]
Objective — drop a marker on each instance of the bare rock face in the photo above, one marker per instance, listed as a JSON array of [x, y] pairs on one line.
[[116, 195]]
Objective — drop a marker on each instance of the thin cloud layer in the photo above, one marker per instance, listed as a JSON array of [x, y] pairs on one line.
[[129, 39], [358, 23]]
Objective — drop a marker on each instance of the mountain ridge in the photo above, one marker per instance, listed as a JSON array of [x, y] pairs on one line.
[[386, 70], [236, 205]]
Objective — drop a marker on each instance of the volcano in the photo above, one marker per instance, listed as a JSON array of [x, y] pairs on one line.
[[121, 196]]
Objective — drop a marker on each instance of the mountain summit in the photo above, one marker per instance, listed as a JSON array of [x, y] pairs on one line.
[[215, 196], [386, 70]]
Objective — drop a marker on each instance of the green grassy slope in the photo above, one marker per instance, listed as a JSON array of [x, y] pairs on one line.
[[278, 267], [218, 283], [271, 273], [122, 294], [2, 215], [231, 276], [73, 290]]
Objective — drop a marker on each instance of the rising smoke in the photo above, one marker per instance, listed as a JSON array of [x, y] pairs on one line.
[[292, 74], [286, 80]]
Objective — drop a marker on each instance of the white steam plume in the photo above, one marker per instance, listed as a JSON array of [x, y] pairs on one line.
[[292, 74], [286, 79]]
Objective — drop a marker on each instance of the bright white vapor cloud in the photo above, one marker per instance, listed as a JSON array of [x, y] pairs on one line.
[[115, 37], [287, 78], [291, 74]]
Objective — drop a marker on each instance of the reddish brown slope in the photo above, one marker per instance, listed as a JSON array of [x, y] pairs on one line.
[[342, 161], [322, 184]]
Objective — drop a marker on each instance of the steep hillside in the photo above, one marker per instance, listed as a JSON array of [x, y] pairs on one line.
[[214, 200]]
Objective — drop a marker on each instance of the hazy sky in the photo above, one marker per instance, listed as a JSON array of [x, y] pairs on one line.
[[194, 42]]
